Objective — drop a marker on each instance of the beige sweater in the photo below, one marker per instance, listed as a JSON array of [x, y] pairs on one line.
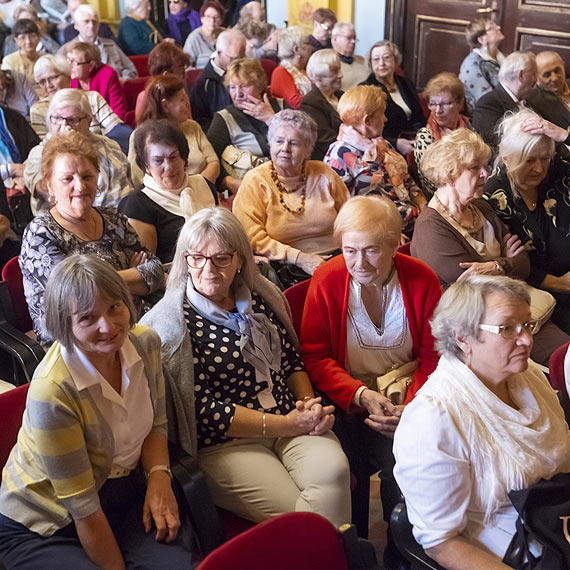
[[279, 234]]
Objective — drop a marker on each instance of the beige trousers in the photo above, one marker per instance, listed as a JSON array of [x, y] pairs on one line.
[[261, 478]]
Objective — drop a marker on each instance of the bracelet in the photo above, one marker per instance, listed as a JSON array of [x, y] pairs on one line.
[[160, 468], [263, 425], [307, 398]]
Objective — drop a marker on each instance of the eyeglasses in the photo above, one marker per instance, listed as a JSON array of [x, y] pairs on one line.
[[49, 80], [443, 104], [73, 122], [325, 27], [512, 331], [220, 260], [73, 62]]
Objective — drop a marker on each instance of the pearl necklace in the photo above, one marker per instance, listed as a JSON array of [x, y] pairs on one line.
[[459, 222], [282, 190]]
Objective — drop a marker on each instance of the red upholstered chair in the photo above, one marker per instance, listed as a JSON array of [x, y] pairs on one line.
[[130, 119], [12, 276], [132, 88], [192, 76], [405, 249], [141, 63], [295, 296], [557, 379], [12, 404], [268, 66]]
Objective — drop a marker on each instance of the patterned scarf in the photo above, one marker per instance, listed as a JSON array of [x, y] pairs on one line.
[[302, 82], [436, 131]]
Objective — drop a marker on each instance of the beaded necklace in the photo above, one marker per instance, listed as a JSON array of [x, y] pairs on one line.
[[282, 190], [459, 222]]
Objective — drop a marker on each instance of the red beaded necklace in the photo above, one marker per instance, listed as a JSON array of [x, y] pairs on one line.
[[282, 190]]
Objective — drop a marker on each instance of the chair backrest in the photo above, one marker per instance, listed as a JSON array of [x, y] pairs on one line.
[[12, 276], [268, 66], [303, 541], [12, 404], [132, 88], [295, 296], [192, 76], [557, 379], [141, 63], [130, 119], [406, 248]]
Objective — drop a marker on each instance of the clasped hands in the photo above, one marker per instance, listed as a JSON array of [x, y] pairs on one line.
[[310, 417], [383, 416]]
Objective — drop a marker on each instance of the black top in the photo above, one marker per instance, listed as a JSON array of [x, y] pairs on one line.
[[397, 123], [24, 136], [316, 45]]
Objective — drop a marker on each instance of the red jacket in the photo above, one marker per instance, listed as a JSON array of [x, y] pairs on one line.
[[283, 86], [323, 329]]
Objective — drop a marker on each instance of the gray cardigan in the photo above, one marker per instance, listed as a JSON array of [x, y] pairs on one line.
[[167, 319]]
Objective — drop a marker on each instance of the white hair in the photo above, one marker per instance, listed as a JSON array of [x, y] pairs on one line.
[[132, 5], [289, 39], [514, 63], [84, 11], [69, 98], [320, 63], [49, 64], [228, 37], [304, 125], [341, 28]]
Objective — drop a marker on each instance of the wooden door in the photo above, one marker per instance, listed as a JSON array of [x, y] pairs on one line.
[[431, 33]]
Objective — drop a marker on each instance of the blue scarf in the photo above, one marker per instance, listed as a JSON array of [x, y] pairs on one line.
[[9, 153]]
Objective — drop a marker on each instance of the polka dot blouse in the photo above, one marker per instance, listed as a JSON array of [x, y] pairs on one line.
[[224, 380]]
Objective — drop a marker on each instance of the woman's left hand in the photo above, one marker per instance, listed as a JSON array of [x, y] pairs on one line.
[[546, 128], [325, 413], [160, 507], [258, 109], [479, 268], [513, 245]]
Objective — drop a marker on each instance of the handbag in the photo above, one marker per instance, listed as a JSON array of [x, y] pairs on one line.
[[544, 516], [394, 384], [542, 304], [238, 163]]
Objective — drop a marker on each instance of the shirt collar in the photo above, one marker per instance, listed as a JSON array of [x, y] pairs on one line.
[[215, 66], [510, 93]]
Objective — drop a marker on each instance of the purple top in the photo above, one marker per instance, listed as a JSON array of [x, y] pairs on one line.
[[181, 24]]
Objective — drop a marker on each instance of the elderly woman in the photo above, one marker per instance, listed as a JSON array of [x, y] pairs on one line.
[[238, 133], [404, 114], [69, 110], [460, 234], [137, 34], [365, 161], [261, 36], [82, 500], [289, 80], [446, 100], [288, 205], [182, 19], [243, 402], [201, 43], [529, 192], [90, 74], [479, 71], [166, 98], [53, 73], [489, 425], [46, 44], [321, 103], [324, 20], [169, 195], [366, 317], [27, 36]]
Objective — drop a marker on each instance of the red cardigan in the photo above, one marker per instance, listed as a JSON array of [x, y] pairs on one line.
[[106, 81], [323, 329], [283, 86]]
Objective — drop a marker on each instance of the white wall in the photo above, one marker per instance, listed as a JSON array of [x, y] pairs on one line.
[[276, 12]]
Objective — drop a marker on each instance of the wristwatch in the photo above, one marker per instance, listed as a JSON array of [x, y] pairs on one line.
[[160, 468]]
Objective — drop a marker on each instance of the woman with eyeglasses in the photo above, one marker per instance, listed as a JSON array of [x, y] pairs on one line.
[[242, 401], [446, 101], [201, 43], [485, 423], [459, 233], [324, 20], [182, 19], [69, 110]]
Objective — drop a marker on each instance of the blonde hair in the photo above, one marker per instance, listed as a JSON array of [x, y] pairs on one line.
[[376, 215], [445, 82], [359, 102], [446, 159], [248, 70], [476, 29], [320, 63], [289, 39]]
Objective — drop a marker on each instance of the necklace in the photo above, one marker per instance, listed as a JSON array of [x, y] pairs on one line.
[[459, 222], [282, 190], [85, 231]]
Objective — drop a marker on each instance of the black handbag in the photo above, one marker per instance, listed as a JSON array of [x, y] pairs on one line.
[[544, 516]]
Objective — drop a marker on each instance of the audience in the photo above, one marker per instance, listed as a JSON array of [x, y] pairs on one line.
[[69, 109], [201, 43], [46, 44], [243, 400], [446, 100], [89, 73], [479, 71], [166, 98], [169, 195], [324, 20], [261, 36], [404, 114], [288, 205], [17, 92], [289, 80], [210, 94], [27, 37], [70, 31], [83, 503], [87, 25], [182, 19], [238, 133], [137, 34], [353, 67], [365, 161], [321, 102]]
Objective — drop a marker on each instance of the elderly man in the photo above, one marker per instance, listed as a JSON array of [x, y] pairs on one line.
[[70, 31], [353, 67], [87, 24], [210, 94]]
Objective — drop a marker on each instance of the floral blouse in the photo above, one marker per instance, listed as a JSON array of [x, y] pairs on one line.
[[45, 243]]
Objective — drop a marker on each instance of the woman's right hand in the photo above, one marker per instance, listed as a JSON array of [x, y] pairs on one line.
[[404, 146], [138, 258], [513, 245], [384, 416], [308, 418], [309, 262], [258, 109]]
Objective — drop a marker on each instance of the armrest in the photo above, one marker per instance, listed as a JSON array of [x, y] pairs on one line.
[[405, 541], [360, 554], [25, 352], [199, 505]]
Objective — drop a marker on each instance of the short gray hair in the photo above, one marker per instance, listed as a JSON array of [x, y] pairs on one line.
[[132, 5], [48, 64], [320, 63], [342, 27], [72, 288], [514, 63], [394, 50], [69, 98], [462, 307], [85, 10], [289, 39], [228, 37], [217, 223], [300, 121]]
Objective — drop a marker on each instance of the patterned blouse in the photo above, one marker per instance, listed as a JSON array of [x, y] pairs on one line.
[[223, 380], [45, 243]]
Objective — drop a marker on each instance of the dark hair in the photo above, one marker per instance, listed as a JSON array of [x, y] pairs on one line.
[[25, 26], [213, 4], [322, 15], [158, 88], [164, 57], [159, 132]]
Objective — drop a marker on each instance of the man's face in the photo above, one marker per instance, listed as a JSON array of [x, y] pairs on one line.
[[88, 27], [344, 43], [234, 50], [551, 73]]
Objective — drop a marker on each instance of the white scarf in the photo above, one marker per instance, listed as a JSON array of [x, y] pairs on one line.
[[509, 449], [185, 201]]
